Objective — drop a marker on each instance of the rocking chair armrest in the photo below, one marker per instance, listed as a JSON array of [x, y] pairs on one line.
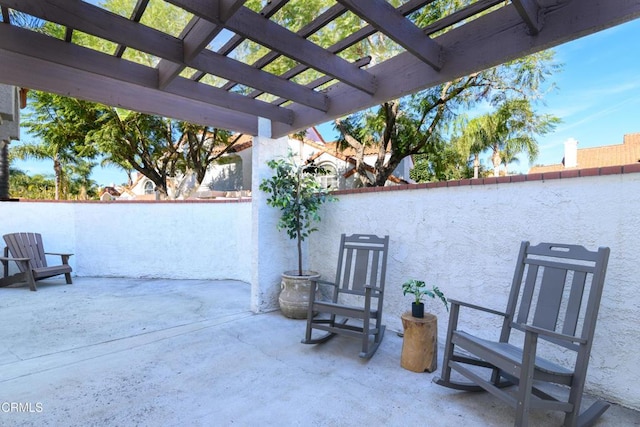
[[376, 291], [322, 282], [552, 334], [476, 307]]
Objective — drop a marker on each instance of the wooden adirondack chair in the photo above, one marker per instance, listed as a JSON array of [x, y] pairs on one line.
[[28, 253], [554, 299], [357, 294]]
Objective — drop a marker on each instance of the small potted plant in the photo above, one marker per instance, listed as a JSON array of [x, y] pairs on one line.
[[418, 289], [295, 191]]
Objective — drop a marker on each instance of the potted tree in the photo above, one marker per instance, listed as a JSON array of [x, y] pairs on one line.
[[295, 191], [418, 289]]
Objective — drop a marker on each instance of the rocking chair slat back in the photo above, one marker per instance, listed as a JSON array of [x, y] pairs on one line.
[[552, 291], [359, 263]]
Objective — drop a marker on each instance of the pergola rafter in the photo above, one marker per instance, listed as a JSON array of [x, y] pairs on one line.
[[482, 34]]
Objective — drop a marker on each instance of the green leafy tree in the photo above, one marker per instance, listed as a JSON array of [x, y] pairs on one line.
[[420, 123], [61, 124], [160, 149]]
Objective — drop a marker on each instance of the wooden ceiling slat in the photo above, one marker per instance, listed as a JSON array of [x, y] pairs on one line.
[[228, 68], [460, 15], [254, 27], [271, 8], [325, 18], [358, 36], [195, 37], [529, 11], [136, 16], [386, 19], [316, 83], [197, 34], [93, 20]]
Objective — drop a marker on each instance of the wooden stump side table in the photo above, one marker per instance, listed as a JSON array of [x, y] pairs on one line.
[[420, 343]]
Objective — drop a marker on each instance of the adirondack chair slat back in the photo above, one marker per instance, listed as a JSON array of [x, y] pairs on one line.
[[26, 245], [361, 262], [557, 288]]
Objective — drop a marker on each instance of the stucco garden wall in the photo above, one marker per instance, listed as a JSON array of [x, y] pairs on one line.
[[465, 240], [205, 240]]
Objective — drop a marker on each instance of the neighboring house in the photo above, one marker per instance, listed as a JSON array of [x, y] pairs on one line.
[[109, 193], [230, 175], [583, 158]]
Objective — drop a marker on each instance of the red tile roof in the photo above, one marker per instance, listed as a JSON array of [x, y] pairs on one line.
[[609, 155]]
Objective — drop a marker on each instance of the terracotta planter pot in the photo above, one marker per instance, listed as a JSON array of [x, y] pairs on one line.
[[294, 294]]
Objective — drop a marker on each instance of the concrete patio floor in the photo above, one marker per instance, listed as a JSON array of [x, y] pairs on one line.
[[149, 352]]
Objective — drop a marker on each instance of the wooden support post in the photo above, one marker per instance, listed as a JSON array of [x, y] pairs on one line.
[[420, 343]]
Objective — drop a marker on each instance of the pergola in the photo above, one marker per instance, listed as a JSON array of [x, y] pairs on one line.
[[482, 34]]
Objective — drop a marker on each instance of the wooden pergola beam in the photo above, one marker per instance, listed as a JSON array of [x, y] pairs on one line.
[[86, 60], [530, 13], [386, 19]]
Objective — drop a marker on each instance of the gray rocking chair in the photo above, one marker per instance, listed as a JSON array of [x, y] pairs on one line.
[[555, 297], [357, 294], [28, 253]]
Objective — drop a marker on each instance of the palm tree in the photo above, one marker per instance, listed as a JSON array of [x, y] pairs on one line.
[[475, 139], [508, 131], [58, 153]]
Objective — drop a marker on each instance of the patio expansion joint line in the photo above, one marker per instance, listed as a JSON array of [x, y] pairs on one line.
[[64, 358]]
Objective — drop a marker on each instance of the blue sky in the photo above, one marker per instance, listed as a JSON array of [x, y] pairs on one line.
[[598, 100]]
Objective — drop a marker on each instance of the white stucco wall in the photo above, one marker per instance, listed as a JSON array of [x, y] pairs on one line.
[[465, 240], [56, 221], [121, 239]]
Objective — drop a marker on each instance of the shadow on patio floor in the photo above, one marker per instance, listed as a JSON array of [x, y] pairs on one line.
[[152, 352]]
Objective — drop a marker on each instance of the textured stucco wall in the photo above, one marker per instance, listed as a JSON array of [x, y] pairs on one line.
[[167, 240], [465, 239], [56, 222]]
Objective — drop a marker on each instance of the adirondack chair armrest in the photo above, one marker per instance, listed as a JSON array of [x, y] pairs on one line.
[[65, 257], [4, 258], [476, 307], [5, 263], [552, 334]]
